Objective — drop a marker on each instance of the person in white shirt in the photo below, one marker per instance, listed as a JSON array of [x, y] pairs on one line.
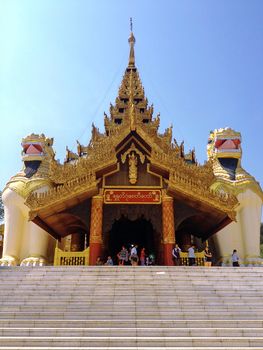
[[235, 258], [134, 255], [191, 255]]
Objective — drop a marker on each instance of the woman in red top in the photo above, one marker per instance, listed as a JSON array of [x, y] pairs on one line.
[[142, 256]]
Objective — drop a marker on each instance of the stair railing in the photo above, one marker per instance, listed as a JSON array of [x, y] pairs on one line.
[[62, 258], [199, 258]]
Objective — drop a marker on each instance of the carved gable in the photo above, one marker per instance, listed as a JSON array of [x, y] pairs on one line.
[[133, 167]]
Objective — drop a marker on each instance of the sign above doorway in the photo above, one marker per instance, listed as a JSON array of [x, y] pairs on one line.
[[114, 196]]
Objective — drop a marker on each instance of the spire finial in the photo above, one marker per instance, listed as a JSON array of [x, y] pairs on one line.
[[131, 42]]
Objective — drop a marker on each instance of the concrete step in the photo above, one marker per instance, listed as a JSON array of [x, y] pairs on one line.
[[132, 315], [140, 323], [130, 311], [130, 341], [131, 348], [131, 331]]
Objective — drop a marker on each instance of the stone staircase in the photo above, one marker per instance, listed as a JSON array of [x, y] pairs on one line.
[[131, 308]]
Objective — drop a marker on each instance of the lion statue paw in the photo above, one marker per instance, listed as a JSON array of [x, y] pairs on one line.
[[8, 261], [33, 261]]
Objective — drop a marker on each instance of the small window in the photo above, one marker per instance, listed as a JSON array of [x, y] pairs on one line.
[[118, 121], [141, 110], [121, 110], [145, 121]]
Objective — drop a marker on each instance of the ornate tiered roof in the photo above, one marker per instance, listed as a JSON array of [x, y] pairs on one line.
[[132, 115]]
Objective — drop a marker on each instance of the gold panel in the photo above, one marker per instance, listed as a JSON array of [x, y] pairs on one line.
[[62, 258]]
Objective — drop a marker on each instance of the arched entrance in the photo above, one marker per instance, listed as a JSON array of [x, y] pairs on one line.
[[127, 232], [190, 231]]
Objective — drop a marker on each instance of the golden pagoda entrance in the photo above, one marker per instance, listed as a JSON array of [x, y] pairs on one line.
[[126, 233], [132, 224], [131, 184]]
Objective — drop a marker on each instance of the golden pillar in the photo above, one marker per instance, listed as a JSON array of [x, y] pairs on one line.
[[95, 240], [168, 229]]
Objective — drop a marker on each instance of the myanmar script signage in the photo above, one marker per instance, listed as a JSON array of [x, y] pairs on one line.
[[113, 196]]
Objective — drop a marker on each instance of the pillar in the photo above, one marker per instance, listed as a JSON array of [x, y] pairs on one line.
[[185, 241], [77, 242], [168, 229], [95, 240]]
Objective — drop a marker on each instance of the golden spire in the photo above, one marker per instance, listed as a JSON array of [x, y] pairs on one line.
[[132, 113], [131, 41], [131, 106]]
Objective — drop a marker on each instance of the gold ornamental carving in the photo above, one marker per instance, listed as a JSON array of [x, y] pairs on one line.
[[168, 220], [201, 190], [96, 219], [60, 193], [133, 162], [134, 149], [133, 171]]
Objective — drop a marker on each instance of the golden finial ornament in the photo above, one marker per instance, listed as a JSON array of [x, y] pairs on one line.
[[131, 41]]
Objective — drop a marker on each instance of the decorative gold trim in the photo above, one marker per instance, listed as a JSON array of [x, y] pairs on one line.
[[132, 189], [23, 186], [61, 193], [135, 187], [237, 187], [109, 174], [156, 175], [130, 150], [134, 139], [225, 202]]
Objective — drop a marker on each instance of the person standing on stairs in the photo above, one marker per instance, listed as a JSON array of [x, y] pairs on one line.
[[191, 255], [134, 255], [123, 256], [235, 258], [208, 257], [176, 255], [142, 256]]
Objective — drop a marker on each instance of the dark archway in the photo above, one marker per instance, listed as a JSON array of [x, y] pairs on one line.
[[127, 232], [191, 231]]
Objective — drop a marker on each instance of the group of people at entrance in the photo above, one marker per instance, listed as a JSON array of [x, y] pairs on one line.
[[176, 254], [133, 256]]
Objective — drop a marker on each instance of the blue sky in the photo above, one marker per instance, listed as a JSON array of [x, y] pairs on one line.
[[61, 63]]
